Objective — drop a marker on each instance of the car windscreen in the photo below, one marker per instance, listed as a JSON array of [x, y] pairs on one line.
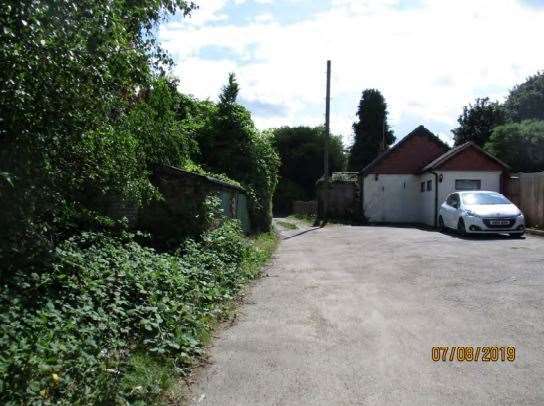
[[484, 198]]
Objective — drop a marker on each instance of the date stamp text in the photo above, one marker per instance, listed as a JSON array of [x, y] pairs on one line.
[[474, 354]]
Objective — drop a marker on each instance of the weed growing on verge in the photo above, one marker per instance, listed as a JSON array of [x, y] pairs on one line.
[[286, 224], [302, 217]]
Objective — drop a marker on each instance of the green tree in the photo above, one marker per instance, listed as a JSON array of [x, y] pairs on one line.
[[230, 91], [226, 143], [301, 154], [163, 137], [371, 130], [70, 73], [230, 144], [526, 101], [520, 145], [477, 121]]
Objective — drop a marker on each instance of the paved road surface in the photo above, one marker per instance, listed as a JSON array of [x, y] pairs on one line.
[[348, 316]]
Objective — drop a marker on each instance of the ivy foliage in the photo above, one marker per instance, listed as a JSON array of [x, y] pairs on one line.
[[230, 144], [70, 335]]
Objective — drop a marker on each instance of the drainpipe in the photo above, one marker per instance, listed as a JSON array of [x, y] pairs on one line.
[[435, 197], [361, 196]]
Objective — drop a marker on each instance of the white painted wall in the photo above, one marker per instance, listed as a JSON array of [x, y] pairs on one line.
[[391, 198], [490, 181], [426, 200], [398, 198]]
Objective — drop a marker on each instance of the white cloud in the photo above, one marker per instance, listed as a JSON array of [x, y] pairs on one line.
[[208, 11], [216, 73], [264, 18], [428, 60]]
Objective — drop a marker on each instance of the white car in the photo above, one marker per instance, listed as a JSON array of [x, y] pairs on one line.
[[481, 212]]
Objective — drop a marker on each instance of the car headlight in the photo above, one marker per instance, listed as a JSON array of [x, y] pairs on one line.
[[471, 213]]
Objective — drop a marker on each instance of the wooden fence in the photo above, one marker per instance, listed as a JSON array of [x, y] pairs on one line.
[[526, 190]]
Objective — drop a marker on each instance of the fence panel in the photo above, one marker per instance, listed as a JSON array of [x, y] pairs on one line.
[[531, 196]]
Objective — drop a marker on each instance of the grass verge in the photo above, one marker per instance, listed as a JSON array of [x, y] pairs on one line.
[[306, 219], [265, 245], [176, 391], [287, 225]]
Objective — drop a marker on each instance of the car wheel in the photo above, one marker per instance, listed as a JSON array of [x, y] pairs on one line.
[[441, 225], [516, 235], [461, 229]]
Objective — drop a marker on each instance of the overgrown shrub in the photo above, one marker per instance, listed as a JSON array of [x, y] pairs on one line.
[[173, 220], [80, 332], [262, 181], [70, 73], [163, 138], [230, 144], [87, 113]]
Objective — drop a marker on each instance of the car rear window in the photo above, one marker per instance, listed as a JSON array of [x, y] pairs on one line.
[[484, 198]]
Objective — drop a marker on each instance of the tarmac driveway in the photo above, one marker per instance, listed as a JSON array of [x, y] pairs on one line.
[[349, 315]]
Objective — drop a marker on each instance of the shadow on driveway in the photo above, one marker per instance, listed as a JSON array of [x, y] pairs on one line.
[[480, 237], [301, 233], [449, 233]]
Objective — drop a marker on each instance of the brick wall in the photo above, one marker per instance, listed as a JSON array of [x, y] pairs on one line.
[[470, 159], [182, 211], [411, 156]]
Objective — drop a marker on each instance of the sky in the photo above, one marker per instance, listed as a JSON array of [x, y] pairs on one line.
[[429, 58]]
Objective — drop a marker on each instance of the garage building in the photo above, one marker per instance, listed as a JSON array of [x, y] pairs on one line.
[[408, 182]]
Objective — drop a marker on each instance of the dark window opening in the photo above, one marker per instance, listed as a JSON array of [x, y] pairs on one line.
[[468, 184], [453, 200], [422, 186], [429, 185]]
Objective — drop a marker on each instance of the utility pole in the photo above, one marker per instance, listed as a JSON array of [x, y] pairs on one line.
[[326, 146], [323, 189], [327, 123]]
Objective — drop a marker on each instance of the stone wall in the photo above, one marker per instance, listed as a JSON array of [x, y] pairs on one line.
[[343, 199], [183, 211], [117, 208]]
